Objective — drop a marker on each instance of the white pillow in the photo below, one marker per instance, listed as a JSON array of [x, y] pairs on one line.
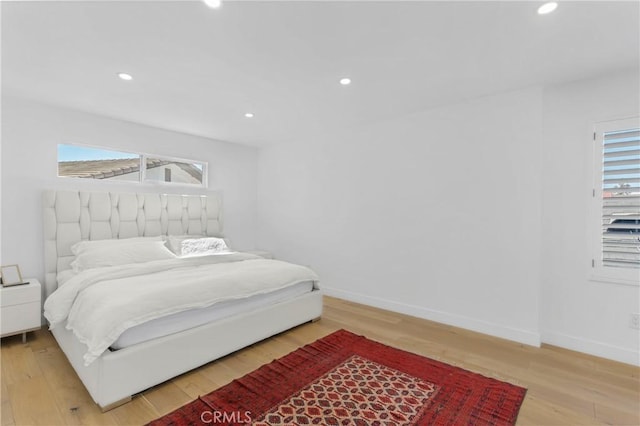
[[64, 276], [83, 246], [121, 254], [190, 246]]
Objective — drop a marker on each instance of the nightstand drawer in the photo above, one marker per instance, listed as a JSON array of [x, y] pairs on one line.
[[19, 294], [18, 318]]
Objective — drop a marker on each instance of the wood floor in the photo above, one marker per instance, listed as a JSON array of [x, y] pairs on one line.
[[39, 387]]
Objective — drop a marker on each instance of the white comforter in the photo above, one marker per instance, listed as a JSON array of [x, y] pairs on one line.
[[100, 304]]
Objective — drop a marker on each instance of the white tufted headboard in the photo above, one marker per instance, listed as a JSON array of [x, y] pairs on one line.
[[72, 216]]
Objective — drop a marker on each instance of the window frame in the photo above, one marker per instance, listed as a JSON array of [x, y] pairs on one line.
[[142, 170], [596, 270]]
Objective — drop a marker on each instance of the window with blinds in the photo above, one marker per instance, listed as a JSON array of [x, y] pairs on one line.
[[618, 194]]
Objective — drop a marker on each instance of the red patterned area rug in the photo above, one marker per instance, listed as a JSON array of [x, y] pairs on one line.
[[345, 379]]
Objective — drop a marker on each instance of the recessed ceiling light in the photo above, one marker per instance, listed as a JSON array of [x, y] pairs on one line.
[[547, 8], [249, 115], [213, 4], [345, 81], [125, 76]]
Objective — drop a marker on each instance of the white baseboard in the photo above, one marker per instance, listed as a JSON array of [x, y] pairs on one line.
[[592, 347], [518, 335]]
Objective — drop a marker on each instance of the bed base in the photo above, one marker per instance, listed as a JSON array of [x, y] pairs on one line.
[[116, 404], [116, 375]]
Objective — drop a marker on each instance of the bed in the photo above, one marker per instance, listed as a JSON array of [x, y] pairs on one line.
[[151, 352]]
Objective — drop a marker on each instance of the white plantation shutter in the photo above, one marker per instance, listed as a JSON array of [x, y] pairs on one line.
[[620, 195]]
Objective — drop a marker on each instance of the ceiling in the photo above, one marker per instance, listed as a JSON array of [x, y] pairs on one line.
[[198, 70]]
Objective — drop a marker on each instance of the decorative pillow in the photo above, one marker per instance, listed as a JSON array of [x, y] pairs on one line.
[[86, 245], [190, 246], [174, 242], [121, 254]]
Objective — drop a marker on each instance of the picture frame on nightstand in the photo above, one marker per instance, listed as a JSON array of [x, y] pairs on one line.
[[10, 275]]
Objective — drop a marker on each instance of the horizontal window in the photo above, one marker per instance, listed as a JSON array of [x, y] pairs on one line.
[[85, 162]]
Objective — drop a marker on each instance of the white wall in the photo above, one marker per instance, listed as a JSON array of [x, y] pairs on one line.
[[578, 313], [472, 214], [436, 214], [30, 134]]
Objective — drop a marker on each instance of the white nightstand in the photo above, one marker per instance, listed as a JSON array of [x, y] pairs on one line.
[[20, 309]]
